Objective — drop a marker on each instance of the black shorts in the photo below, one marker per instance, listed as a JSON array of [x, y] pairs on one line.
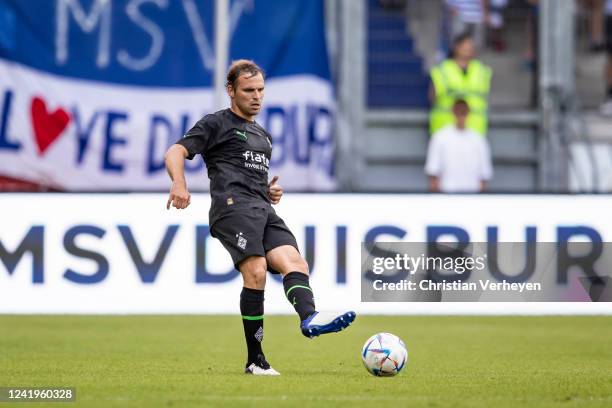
[[251, 230]]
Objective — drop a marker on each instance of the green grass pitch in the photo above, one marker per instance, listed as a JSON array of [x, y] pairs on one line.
[[195, 361]]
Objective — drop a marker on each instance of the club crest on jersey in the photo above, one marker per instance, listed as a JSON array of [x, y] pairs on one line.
[[242, 134], [242, 241]]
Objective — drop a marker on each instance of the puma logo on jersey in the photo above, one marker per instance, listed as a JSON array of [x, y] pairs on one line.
[[241, 134]]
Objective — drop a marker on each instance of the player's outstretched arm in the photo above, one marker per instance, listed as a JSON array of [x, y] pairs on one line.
[[275, 191], [175, 165]]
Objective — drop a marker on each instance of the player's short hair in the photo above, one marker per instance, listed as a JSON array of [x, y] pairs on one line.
[[240, 67]]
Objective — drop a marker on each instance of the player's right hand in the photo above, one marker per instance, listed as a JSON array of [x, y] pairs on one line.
[[179, 196]]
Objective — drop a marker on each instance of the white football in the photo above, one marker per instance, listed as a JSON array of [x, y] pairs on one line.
[[384, 355]]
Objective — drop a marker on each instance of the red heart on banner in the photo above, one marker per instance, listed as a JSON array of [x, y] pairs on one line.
[[47, 126]]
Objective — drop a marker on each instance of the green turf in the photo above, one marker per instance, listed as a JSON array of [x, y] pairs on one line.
[[193, 361]]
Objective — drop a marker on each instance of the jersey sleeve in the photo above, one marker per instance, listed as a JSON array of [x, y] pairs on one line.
[[198, 139]]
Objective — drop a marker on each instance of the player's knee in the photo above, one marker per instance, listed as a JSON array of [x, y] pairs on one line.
[[300, 265], [256, 276], [254, 272]]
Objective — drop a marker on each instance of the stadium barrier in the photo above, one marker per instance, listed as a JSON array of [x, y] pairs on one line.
[[125, 253]]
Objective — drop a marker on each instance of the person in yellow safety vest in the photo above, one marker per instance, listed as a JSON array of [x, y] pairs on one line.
[[461, 76]]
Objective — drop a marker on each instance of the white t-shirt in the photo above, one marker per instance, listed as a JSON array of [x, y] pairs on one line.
[[460, 158]]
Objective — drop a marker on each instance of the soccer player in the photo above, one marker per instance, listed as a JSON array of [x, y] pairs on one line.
[[237, 153]]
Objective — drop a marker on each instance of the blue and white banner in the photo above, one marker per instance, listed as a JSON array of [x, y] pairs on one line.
[[111, 253], [92, 92]]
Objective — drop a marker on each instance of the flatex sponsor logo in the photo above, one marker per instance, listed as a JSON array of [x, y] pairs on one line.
[[257, 161]]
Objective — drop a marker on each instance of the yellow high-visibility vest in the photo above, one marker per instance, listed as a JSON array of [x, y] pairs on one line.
[[451, 83]]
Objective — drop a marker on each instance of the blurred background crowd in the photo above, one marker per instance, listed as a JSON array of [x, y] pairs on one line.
[[517, 93]]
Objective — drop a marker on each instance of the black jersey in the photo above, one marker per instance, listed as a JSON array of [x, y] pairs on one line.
[[237, 156]]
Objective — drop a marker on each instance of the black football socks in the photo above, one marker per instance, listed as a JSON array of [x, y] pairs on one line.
[[252, 310], [298, 292]]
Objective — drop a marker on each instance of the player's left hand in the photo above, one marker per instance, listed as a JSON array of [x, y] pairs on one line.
[[275, 191]]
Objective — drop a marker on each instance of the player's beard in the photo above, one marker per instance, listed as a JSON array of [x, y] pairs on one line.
[[254, 110], [248, 110]]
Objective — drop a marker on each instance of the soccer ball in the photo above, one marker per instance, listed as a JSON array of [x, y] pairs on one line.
[[384, 355]]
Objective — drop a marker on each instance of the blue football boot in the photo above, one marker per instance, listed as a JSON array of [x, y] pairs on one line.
[[317, 323]]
